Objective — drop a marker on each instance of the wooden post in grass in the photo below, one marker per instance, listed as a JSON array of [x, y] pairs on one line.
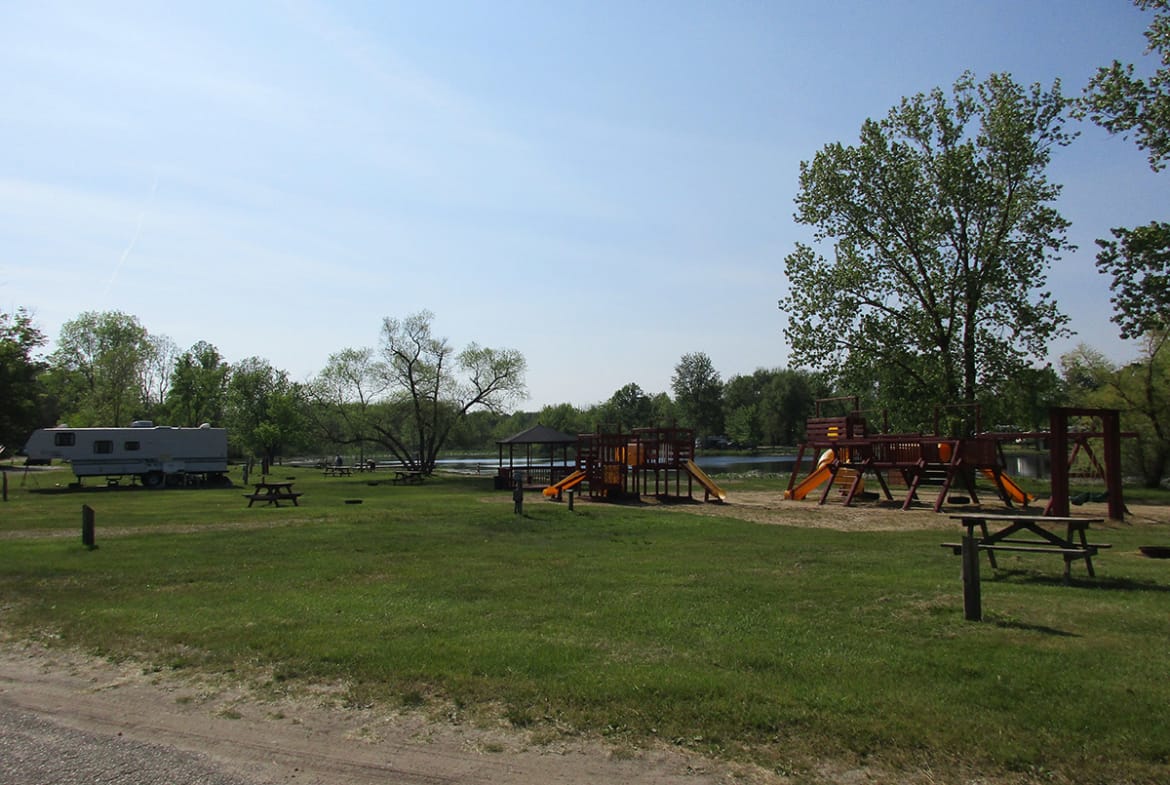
[[972, 602], [5, 485], [570, 500], [87, 527]]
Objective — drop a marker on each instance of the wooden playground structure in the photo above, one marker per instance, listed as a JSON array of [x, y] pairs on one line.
[[847, 450], [644, 462]]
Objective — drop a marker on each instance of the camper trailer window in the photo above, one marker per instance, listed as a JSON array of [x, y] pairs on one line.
[[64, 439], [130, 446], [103, 446]]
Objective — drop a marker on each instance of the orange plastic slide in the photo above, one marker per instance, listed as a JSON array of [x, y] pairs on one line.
[[706, 481], [809, 483], [571, 481], [1014, 492], [814, 480]]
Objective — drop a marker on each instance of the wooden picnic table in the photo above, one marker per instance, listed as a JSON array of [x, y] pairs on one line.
[[272, 493], [407, 477], [338, 471], [1030, 534], [1021, 534]]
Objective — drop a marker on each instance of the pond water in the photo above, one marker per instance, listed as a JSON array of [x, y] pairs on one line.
[[741, 464], [712, 464], [1033, 465]]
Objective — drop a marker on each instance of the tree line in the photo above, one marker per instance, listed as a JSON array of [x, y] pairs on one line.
[[932, 296], [410, 397]]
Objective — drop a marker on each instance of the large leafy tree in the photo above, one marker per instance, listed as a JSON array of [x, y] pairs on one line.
[[265, 412], [98, 367], [1138, 259], [408, 395], [19, 369], [630, 407], [698, 393], [198, 387], [943, 231]]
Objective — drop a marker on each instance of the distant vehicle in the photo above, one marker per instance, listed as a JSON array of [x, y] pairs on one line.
[[155, 454]]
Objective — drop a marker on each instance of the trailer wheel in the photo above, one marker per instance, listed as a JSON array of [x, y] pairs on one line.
[[152, 480]]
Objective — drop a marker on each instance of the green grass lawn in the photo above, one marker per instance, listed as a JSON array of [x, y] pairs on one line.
[[774, 644]]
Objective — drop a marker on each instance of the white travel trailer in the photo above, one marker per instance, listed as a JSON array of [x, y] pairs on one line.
[[155, 454]]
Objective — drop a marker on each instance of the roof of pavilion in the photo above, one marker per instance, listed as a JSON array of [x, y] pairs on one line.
[[539, 434]]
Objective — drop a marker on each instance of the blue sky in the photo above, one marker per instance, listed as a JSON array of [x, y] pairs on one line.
[[602, 186]]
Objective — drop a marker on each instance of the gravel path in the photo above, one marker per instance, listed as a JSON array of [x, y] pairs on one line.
[[68, 718], [36, 752]]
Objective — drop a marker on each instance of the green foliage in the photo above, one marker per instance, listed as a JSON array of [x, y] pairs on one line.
[[770, 406], [1140, 390], [19, 370], [1121, 102], [1024, 399], [566, 418], [943, 233], [264, 410], [783, 646], [97, 369], [630, 408], [198, 387], [1138, 260], [698, 393]]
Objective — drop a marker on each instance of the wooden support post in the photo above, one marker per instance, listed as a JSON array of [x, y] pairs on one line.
[[1058, 460], [5, 485], [87, 527], [972, 601], [1111, 425], [570, 500]]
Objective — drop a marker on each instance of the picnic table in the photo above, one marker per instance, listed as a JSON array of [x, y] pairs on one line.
[[338, 471], [1029, 534], [407, 477], [1021, 534], [272, 493]]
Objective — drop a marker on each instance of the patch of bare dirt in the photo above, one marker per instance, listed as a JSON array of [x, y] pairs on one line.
[[311, 738], [771, 508]]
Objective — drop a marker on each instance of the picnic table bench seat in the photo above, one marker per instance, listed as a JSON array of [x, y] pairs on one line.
[[268, 497], [1035, 546]]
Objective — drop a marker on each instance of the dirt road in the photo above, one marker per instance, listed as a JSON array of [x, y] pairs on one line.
[[69, 718]]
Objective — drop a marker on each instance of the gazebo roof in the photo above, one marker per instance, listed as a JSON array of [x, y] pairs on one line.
[[539, 434]]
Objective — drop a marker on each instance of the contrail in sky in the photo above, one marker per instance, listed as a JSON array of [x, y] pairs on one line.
[[133, 239]]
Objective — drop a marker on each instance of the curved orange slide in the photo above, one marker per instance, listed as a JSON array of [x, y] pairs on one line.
[[570, 481], [814, 480], [1014, 492]]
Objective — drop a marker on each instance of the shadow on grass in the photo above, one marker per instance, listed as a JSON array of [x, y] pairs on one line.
[[1081, 582], [1013, 624], [74, 488]]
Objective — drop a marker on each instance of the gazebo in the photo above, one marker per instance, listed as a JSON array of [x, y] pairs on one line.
[[532, 457]]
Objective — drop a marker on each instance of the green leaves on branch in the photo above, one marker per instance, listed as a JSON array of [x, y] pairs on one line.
[[1139, 262], [1122, 102]]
